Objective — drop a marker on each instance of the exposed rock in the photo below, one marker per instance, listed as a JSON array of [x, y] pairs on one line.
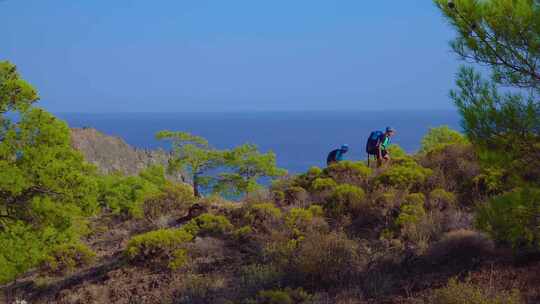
[[112, 154]]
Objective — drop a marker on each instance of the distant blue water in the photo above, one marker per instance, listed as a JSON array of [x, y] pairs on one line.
[[300, 139]]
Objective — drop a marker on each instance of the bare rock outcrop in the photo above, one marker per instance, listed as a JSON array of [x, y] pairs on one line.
[[112, 154]]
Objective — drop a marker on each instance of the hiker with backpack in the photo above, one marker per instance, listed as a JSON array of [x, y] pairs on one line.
[[336, 155], [378, 143]]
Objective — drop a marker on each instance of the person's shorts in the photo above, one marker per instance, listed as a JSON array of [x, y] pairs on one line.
[[375, 152]]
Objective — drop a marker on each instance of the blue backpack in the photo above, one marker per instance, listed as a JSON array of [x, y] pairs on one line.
[[373, 140]]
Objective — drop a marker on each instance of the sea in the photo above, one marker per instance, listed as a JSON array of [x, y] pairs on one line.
[[299, 139]]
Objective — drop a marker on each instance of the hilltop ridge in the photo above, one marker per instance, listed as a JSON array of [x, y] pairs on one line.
[[112, 154]]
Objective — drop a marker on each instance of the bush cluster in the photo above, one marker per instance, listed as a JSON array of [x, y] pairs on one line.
[[67, 257], [468, 293], [162, 248], [406, 174], [347, 172], [346, 199], [512, 218], [208, 224], [125, 195]]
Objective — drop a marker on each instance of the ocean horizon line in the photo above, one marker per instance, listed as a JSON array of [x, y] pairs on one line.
[[259, 112]]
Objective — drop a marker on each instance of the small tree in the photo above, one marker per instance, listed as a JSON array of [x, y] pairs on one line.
[[438, 138], [247, 165], [45, 185], [192, 154], [15, 92], [502, 35]]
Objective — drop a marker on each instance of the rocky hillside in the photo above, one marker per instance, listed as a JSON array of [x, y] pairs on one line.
[[113, 154]]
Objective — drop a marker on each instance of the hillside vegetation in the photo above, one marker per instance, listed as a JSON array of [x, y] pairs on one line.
[[456, 223]]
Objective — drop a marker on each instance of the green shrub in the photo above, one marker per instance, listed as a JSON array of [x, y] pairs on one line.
[[440, 137], [324, 184], [173, 199], [296, 196], [355, 173], [286, 296], [66, 257], [345, 199], [396, 152], [155, 174], [266, 211], [386, 199], [412, 211], [126, 195], [165, 247], [306, 179], [314, 171], [242, 233], [208, 224], [406, 175], [491, 179], [468, 293], [22, 248], [316, 210], [442, 199], [298, 217], [512, 218]]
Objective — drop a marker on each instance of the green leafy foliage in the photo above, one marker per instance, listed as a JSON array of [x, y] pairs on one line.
[[208, 224], [15, 93], [298, 217], [404, 175], [438, 138], [163, 247], [324, 184], [315, 171], [512, 218], [346, 199], [264, 211], [171, 199], [242, 233], [441, 199], [490, 119], [354, 173], [192, 154], [46, 188], [502, 34], [125, 195], [246, 166], [66, 257], [412, 211], [397, 152], [149, 194], [43, 181], [23, 247]]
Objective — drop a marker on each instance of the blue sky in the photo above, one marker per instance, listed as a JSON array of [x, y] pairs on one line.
[[236, 55]]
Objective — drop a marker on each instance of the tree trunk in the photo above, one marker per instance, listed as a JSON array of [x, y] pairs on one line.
[[196, 187]]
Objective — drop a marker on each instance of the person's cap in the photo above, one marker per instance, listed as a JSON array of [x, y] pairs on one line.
[[345, 147], [390, 129]]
